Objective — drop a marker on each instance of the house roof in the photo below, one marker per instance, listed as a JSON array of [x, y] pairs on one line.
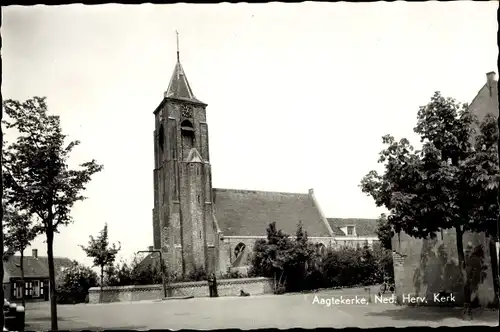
[[364, 227], [33, 266], [249, 213], [486, 100]]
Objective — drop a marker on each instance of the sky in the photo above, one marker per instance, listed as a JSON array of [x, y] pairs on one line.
[[295, 101]]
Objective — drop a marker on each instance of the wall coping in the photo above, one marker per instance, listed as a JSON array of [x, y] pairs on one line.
[[138, 288], [337, 237]]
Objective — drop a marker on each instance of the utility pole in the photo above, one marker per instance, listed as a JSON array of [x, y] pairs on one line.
[[162, 267]]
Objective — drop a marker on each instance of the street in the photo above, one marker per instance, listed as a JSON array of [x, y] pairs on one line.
[[273, 311]]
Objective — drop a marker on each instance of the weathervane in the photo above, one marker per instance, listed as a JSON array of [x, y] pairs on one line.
[[177, 35]]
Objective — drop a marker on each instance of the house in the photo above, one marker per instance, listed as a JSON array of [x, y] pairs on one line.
[[354, 231], [36, 276], [423, 267]]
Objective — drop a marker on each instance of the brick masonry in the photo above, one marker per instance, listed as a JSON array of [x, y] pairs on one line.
[[226, 287], [183, 215]]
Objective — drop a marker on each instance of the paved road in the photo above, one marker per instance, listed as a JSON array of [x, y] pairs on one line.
[[279, 311]]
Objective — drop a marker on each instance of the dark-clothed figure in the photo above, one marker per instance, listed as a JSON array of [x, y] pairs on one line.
[[215, 292], [211, 282]]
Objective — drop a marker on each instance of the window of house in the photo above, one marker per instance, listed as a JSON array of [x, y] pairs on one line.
[[18, 292], [41, 288], [350, 230], [28, 291], [36, 288]]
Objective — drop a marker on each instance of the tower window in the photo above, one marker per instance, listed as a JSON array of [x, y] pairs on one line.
[[186, 125], [161, 138], [187, 132], [200, 234], [199, 199]]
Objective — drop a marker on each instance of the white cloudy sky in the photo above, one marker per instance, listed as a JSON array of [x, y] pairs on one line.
[[298, 95]]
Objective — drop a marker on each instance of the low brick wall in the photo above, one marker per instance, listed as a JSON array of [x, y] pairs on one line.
[[225, 287]]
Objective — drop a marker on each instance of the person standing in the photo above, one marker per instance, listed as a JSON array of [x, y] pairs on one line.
[[211, 282], [215, 292]]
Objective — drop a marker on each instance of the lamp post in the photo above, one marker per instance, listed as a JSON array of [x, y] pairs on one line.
[[164, 284]]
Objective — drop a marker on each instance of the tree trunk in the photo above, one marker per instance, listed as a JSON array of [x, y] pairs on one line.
[[52, 277], [102, 281], [494, 266], [463, 271], [23, 299]]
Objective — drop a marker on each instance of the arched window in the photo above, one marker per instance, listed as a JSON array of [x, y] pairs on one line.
[[186, 125], [238, 250], [161, 138], [187, 132]]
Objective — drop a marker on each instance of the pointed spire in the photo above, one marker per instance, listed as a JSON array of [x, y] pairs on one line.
[[179, 87]]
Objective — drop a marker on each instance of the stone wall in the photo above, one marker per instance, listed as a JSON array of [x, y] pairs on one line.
[[226, 287], [423, 267]]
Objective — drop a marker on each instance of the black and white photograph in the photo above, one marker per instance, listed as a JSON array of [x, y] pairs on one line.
[[250, 165]]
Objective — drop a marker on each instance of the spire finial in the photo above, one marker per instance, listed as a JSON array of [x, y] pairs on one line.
[[177, 35]]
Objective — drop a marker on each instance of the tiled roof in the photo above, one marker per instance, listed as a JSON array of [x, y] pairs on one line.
[[178, 87], [249, 213], [33, 267], [364, 227]]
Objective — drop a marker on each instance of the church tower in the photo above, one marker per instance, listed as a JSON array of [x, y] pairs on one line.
[[183, 227]]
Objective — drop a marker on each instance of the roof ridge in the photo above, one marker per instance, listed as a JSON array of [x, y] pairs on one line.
[[259, 191]]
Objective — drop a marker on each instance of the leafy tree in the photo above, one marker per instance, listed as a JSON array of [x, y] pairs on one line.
[[19, 232], [101, 251], [300, 256], [384, 232], [36, 174], [119, 275], [433, 189], [145, 272], [74, 284], [271, 256]]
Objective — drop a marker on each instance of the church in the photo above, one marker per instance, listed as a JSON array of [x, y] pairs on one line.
[[198, 227]]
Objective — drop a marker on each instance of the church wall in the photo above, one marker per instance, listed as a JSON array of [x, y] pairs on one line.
[[423, 267], [204, 141], [193, 216], [230, 242], [186, 225], [156, 230], [224, 257]]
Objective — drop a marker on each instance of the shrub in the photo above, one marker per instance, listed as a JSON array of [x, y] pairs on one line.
[[74, 283], [299, 265], [118, 275], [232, 275]]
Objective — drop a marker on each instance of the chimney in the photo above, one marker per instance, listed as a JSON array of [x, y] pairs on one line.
[[34, 253], [490, 77], [150, 248], [311, 192]]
